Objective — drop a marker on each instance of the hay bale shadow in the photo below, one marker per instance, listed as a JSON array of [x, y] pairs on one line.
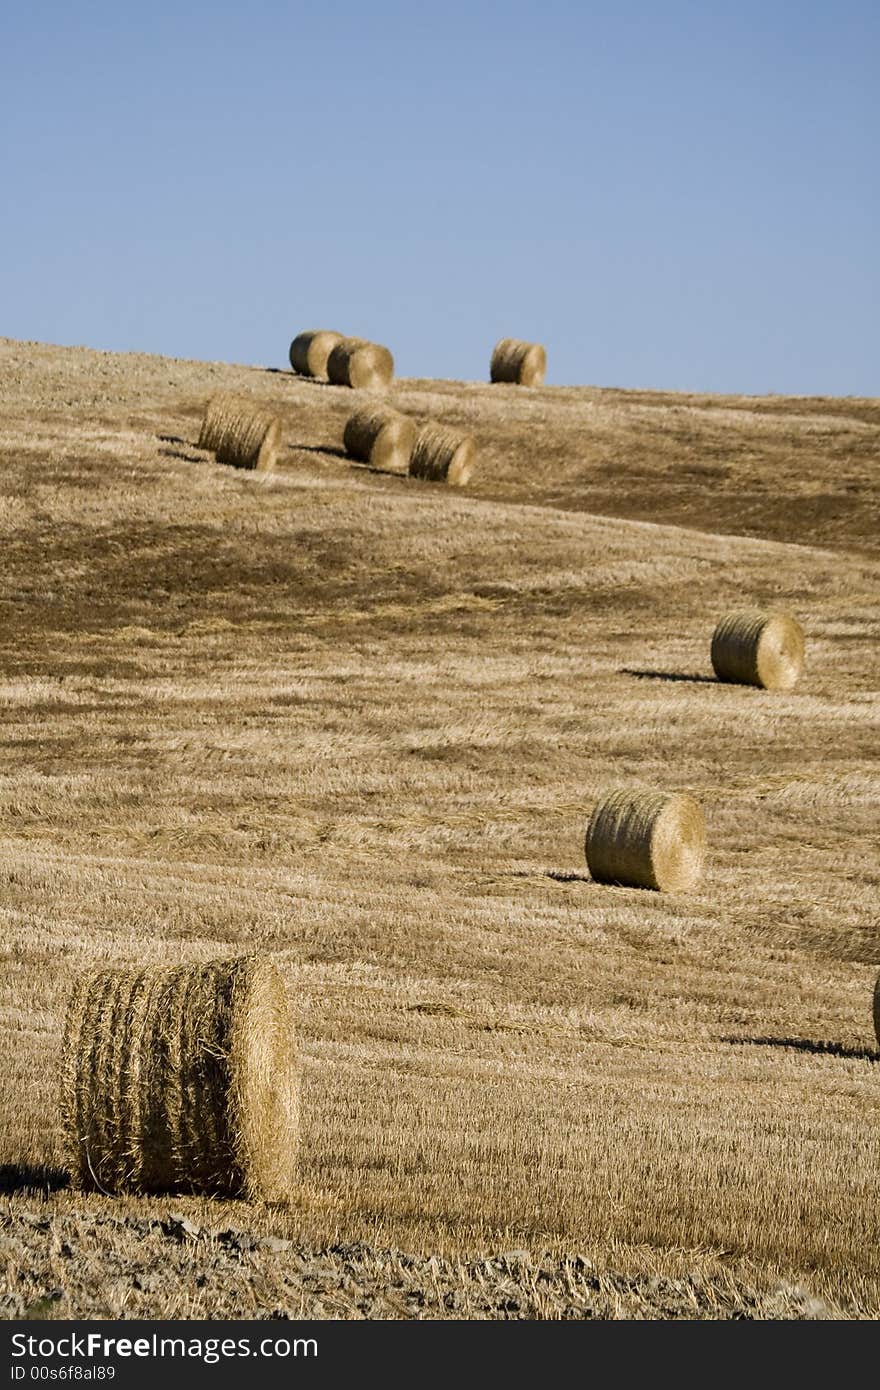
[[187, 458], [558, 875], [37, 1177], [293, 376], [819, 1047], [331, 449], [178, 452], [644, 675]]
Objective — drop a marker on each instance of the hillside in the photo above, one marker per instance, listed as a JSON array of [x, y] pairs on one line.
[[361, 721]]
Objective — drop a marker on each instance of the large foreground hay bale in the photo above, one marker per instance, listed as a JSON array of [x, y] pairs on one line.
[[647, 840], [524, 364], [361, 364], [182, 1079], [443, 455], [309, 351], [381, 437], [237, 432], [877, 1010], [755, 648]]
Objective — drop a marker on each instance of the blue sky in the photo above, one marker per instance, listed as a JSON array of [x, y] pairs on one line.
[[671, 195]]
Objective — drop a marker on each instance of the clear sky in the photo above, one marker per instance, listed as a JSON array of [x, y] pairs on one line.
[[672, 194]]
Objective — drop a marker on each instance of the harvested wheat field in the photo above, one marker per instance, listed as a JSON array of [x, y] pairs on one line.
[[359, 723]]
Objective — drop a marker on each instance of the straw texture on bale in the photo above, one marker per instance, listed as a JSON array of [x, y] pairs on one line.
[[309, 351], [754, 648], [382, 438], [361, 364], [238, 433], [183, 1080], [524, 364], [877, 1010], [443, 455], [647, 840]]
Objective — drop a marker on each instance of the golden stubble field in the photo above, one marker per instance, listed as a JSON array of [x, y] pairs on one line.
[[361, 722]]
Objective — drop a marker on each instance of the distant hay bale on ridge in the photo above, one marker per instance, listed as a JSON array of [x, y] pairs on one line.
[[381, 437], [751, 647], [182, 1079], [309, 351], [364, 365], [647, 840], [443, 455], [239, 433], [523, 364]]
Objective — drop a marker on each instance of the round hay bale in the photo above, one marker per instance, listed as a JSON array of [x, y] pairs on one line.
[[647, 840], [382, 438], [443, 455], [361, 364], [523, 364], [240, 434], [755, 648], [182, 1080], [877, 1010], [309, 351]]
